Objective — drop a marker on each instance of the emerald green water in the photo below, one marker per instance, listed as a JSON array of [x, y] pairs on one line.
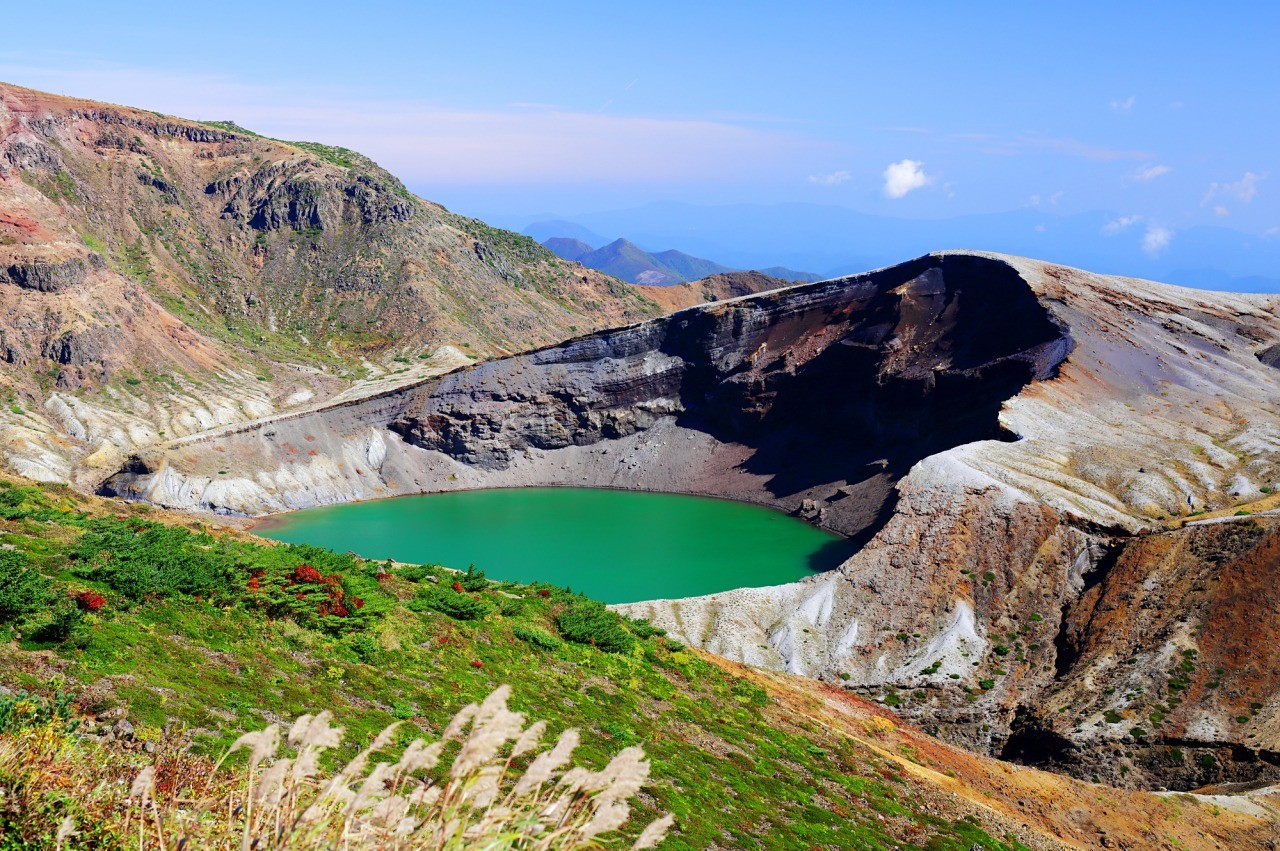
[[615, 546]]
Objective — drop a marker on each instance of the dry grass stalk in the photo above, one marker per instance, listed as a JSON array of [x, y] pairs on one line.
[[288, 802]]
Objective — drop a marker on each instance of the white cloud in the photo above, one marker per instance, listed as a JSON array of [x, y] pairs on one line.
[[904, 176], [1052, 200], [1040, 228], [1243, 190], [1150, 173], [1220, 211], [1123, 223], [1124, 105], [833, 179], [1156, 239]]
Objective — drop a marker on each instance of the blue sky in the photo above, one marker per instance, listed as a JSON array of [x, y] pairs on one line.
[[1164, 115]]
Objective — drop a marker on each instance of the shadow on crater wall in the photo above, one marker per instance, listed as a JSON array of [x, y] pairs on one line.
[[916, 363]]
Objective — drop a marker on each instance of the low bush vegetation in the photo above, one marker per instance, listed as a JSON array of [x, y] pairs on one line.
[[450, 600], [174, 637], [589, 622]]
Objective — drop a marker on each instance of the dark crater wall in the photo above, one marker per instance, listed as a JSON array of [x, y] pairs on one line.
[[835, 389]]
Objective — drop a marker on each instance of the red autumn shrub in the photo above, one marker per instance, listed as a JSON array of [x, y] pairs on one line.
[[255, 584], [90, 601], [476, 663], [307, 573], [545, 592], [457, 586], [357, 603]]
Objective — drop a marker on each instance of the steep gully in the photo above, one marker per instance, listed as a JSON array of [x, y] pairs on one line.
[[839, 401]]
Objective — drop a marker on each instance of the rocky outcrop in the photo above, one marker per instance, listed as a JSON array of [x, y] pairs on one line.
[[295, 194], [712, 288], [49, 275]]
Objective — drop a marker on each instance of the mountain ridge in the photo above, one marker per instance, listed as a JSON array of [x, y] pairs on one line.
[[628, 261], [836, 240], [159, 276]]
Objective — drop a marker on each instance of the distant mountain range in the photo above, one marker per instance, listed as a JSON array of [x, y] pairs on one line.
[[631, 263], [835, 240]]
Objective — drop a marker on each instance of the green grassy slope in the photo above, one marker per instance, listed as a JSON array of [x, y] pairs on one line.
[[216, 633]]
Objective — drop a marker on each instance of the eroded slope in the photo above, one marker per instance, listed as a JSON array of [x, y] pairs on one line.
[[160, 277]]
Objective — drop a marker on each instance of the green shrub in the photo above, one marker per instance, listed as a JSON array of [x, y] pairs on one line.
[[986, 685], [750, 693], [22, 710], [446, 601], [302, 593], [61, 623], [20, 501], [1112, 717], [538, 638], [364, 646], [140, 558], [589, 622], [643, 629], [473, 580], [419, 572], [510, 607], [23, 590]]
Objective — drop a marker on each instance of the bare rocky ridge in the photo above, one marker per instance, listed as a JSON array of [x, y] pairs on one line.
[[712, 288], [159, 277], [1011, 448]]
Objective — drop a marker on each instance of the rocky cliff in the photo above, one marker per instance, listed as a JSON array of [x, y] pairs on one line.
[[160, 276], [1055, 489]]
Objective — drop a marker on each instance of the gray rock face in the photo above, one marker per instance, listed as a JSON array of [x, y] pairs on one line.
[[989, 433], [293, 195], [51, 275]]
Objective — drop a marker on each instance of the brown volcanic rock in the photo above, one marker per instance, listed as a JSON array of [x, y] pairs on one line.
[[1179, 627], [712, 288], [232, 276]]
